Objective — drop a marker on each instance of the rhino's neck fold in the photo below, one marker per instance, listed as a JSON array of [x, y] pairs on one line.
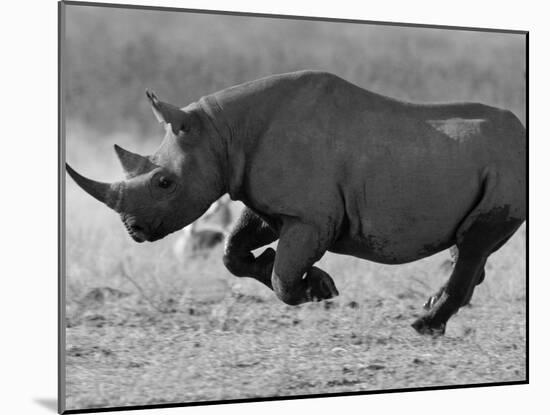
[[231, 151]]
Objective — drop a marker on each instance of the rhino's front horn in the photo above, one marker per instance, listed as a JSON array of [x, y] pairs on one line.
[[132, 163], [108, 193]]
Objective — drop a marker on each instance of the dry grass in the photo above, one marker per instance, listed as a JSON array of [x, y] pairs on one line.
[[212, 336], [165, 330]]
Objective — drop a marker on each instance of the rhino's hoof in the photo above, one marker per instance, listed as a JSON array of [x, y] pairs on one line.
[[423, 326], [320, 285]]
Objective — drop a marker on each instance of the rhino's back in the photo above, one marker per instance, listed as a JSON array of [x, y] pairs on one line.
[[409, 174], [390, 173]]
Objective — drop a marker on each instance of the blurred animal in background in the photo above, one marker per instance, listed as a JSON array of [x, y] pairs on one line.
[[209, 231]]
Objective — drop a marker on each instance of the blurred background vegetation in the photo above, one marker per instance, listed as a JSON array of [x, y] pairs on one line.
[[112, 55]]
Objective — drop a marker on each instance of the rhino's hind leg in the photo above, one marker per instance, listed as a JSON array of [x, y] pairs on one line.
[[481, 276], [434, 298], [474, 249], [454, 294], [454, 253], [249, 233], [479, 280], [481, 233]]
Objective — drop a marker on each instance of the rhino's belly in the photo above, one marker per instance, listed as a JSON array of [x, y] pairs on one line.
[[385, 251], [406, 213]]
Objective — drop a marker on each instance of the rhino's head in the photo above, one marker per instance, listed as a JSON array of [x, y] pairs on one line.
[[168, 190]]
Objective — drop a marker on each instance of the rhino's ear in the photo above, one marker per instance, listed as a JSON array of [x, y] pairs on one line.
[[168, 114]]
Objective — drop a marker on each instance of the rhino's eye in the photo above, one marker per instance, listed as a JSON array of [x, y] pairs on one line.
[[164, 182]]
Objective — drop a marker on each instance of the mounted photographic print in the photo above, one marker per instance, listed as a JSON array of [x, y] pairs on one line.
[[260, 207]]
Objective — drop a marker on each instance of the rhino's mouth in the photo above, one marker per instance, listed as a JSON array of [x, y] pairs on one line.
[[138, 235], [136, 231]]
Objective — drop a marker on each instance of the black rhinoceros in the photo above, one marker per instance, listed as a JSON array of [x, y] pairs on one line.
[[323, 165]]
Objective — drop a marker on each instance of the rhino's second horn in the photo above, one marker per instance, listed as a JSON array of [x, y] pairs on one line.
[[132, 163]]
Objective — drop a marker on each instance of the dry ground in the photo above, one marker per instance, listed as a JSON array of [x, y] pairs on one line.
[[142, 333]]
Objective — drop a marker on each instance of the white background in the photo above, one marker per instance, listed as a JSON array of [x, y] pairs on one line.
[[28, 204]]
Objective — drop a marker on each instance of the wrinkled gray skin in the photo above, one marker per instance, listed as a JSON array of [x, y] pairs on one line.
[[323, 165]]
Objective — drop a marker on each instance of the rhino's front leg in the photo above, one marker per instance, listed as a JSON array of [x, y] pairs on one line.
[[249, 233], [294, 278]]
